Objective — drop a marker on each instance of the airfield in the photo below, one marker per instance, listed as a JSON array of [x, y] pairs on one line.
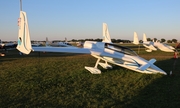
[[60, 80]]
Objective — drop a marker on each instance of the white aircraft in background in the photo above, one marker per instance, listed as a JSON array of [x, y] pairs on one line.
[[104, 51], [36, 44], [7, 45], [153, 46], [57, 43], [147, 44]]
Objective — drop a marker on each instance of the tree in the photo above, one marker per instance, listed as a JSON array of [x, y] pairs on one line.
[[140, 41], [163, 40], [74, 40], [148, 39], [154, 39], [169, 41], [98, 40], [113, 40], [174, 40]]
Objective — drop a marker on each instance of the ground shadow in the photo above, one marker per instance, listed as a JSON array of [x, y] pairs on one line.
[[163, 92], [14, 54]]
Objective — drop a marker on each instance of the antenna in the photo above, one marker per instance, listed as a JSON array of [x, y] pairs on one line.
[[20, 5]]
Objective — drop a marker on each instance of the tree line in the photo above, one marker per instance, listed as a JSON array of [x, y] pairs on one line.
[[163, 40], [119, 40], [99, 40], [126, 41]]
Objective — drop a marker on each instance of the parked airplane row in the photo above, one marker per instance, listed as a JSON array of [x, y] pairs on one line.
[[104, 51], [153, 46], [7, 45], [149, 45], [57, 43]]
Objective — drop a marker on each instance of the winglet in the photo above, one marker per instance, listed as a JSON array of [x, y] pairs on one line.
[[145, 66], [144, 37], [24, 42], [47, 41], [106, 35], [136, 40]]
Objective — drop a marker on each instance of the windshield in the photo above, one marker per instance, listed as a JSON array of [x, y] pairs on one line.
[[120, 49]]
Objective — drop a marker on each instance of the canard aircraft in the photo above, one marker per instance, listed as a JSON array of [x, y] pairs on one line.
[[153, 46], [104, 51]]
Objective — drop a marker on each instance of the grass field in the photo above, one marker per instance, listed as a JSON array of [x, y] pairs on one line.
[[60, 80]]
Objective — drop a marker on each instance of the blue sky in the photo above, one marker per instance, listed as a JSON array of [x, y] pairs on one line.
[[82, 19]]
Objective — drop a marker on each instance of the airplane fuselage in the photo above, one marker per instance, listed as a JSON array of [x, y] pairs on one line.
[[124, 57], [163, 47]]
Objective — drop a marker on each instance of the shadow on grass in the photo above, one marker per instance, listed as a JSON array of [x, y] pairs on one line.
[[164, 92], [14, 54]]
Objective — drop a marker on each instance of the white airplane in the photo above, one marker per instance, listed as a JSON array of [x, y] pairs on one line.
[[7, 45], [147, 44], [104, 51], [36, 44], [60, 44], [153, 46]]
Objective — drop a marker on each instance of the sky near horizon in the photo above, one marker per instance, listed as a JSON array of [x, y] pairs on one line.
[[82, 19]]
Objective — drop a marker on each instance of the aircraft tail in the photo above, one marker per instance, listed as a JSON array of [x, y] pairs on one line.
[[136, 40], [24, 42], [144, 37], [66, 40], [47, 41], [106, 35]]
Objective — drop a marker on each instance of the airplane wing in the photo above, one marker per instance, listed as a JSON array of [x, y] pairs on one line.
[[149, 46], [62, 49], [97, 51]]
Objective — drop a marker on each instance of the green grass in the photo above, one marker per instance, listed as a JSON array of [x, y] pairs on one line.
[[60, 80]]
